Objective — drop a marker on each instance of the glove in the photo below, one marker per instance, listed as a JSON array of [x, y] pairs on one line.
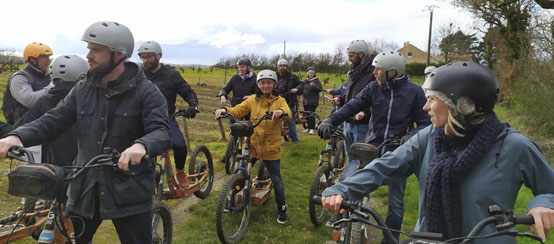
[[405, 138], [325, 129], [190, 113]]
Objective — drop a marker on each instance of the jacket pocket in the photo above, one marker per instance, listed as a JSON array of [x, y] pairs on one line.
[[127, 122], [133, 187], [85, 115]]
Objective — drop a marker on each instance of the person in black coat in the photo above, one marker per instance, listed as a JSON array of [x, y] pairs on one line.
[[114, 107], [170, 82], [65, 70], [310, 98]]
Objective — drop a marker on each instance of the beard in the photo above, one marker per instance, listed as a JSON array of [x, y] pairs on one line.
[[102, 70], [151, 66]]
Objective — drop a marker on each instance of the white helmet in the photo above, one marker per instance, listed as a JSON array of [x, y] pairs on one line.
[[429, 69], [282, 62], [358, 46], [150, 47], [68, 68], [390, 60], [115, 36], [267, 74]]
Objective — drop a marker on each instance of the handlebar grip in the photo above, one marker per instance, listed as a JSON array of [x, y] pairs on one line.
[[284, 114], [316, 199], [524, 220]]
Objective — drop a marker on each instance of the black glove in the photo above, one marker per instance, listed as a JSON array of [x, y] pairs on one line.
[[190, 113], [325, 129], [405, 138]]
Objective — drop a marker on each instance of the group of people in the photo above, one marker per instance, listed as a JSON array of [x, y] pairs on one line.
[[450, 136]]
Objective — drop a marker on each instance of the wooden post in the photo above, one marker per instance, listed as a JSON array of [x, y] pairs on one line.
[[187, 138], [221, 129]]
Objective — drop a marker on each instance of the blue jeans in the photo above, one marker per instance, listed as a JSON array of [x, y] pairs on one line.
[[311, 120], [395, 214], [178, 145], [292, 126], [352, 133], [274, 169]]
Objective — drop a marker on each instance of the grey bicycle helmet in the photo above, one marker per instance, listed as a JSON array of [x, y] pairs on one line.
[[68, 68], [429, 69], [282, 62], [390, 60], [358, 46], [150, 47], [267, 74], [115, 36]]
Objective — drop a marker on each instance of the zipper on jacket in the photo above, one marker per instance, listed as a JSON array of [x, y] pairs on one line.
[[388, 119]]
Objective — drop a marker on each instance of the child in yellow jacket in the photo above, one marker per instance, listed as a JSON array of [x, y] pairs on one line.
[[267, 135]]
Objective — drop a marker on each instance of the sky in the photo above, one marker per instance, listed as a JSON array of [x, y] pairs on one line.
[[204, 31]]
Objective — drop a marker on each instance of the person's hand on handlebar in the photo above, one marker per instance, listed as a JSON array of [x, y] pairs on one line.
[[7, 143], [325, 129], [359, 116], [133, 155], [218, 112], [544, 220], [335, 101], [277, 114], [332, 203]]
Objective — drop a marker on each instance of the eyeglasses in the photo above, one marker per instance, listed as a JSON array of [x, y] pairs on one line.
[[145, 57]]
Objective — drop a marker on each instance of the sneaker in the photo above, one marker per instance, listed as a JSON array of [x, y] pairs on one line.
[[282, 214], [295, 142], [333, 219], [306, 130], [182, 179], [227, 207], [311, 132]]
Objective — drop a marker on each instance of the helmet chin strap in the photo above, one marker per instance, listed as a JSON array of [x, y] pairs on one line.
[[111, 67]]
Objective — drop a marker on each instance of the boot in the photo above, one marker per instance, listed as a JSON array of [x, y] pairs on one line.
[[282, 214], [182, 179]]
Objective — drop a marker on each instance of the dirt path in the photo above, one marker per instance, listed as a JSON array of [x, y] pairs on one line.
[[178, 211]]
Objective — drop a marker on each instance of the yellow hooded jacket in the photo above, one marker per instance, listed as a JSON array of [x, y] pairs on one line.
[[266, 138]]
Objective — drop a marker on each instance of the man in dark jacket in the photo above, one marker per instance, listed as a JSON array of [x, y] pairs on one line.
[[115, 107], [170, 82], [396, 104], [65, 71], [289, 87], [356, 125]]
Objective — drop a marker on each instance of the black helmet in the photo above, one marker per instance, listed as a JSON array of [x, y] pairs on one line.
[[244, 61], [465, 79], [311, 68]]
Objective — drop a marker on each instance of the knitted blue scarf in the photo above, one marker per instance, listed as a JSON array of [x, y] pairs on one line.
[[442, 205]]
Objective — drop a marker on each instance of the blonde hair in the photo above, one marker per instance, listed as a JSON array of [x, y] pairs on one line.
[[453, 122]]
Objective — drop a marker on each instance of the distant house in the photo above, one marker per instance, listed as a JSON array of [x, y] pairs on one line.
[[415, 55]]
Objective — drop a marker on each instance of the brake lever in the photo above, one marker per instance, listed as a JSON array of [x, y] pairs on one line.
[[530, 235]]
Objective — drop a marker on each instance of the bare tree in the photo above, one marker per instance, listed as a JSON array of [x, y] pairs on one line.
[[380, 45]]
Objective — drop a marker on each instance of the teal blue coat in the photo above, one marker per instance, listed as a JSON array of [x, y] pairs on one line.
[[492, 181]]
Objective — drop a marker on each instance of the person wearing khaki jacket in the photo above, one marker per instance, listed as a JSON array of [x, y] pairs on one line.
[[266, 138]]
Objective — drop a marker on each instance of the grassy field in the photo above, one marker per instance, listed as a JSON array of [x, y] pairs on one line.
[[298, 165]]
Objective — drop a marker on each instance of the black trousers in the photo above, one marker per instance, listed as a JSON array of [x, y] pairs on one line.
[[131, 229]]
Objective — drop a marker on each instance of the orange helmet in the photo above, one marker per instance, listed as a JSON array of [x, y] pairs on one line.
[[36, 49]]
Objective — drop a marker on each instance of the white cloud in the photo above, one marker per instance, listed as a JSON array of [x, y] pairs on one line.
[[231, 26]]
